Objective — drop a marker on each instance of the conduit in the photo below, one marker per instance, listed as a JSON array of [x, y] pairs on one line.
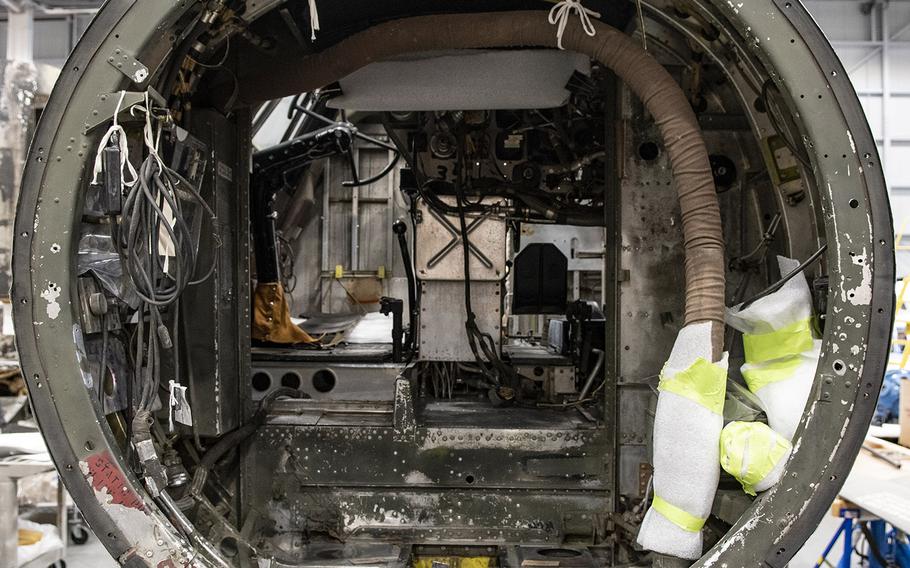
[[645, 76]]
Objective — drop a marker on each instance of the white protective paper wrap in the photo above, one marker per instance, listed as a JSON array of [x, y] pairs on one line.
[[686, 452]]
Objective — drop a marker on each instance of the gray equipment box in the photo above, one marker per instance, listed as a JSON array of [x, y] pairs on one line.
[[442, 332]]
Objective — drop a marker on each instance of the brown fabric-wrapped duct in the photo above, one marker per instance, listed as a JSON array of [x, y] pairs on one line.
[[272, 317], [648, 79]]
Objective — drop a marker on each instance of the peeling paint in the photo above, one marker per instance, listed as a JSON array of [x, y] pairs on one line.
[[105, 476], [738, 538], [50, 295], [862, 294]]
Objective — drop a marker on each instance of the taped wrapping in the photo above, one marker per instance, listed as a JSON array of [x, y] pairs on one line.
[[781, 352], [754, 454], [645, 76], [687, 429]]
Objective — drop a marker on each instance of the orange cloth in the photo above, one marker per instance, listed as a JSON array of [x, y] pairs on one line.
[[272, 317]]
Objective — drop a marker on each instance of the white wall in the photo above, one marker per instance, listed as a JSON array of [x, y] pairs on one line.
[[55, 36], [873, 41]]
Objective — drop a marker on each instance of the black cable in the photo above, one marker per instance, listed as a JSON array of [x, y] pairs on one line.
[[357, 182], [873, 546], [236, 437], [779, 284], [400, 145], [766, 99], [222, 61], [158, 285], [473, 332], [400, 230], [371, 180]]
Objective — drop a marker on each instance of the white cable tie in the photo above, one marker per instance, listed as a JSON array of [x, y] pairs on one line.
[[119, 106], [122, 145], [560, 14], [314, 19]]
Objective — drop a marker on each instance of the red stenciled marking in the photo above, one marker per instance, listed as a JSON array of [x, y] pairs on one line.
[[103, 473], [170, 564]]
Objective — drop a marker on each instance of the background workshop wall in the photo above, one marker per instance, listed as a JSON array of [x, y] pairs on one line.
[[871, 37]]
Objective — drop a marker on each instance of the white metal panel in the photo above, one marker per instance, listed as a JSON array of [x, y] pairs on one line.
[[840, 19], [897, 170]]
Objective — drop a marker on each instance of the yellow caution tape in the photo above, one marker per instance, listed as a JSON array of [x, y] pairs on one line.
[[749, 451], [759, 376], [677, 516], [704, 383], [453, 562], [790, 340]]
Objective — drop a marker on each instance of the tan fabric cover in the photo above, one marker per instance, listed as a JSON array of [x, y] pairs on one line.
[[272, 317]]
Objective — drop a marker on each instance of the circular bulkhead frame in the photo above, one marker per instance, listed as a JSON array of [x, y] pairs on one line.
[[777, 36]]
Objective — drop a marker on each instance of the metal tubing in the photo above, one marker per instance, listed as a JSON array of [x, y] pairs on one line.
[[589, 383]]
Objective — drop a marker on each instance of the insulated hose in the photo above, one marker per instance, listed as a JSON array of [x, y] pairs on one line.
[[644, 75], [400, 229]]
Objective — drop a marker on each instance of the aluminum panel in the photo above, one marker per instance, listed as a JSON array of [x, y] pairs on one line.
[[442, 331], [440, 254]]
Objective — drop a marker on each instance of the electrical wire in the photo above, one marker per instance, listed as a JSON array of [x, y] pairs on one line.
[[357, 182], [780, 283], [766, 99], [101, 380]]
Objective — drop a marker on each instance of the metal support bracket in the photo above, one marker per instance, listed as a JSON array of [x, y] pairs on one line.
[[124, 62], [104, 109], [457, 240]]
